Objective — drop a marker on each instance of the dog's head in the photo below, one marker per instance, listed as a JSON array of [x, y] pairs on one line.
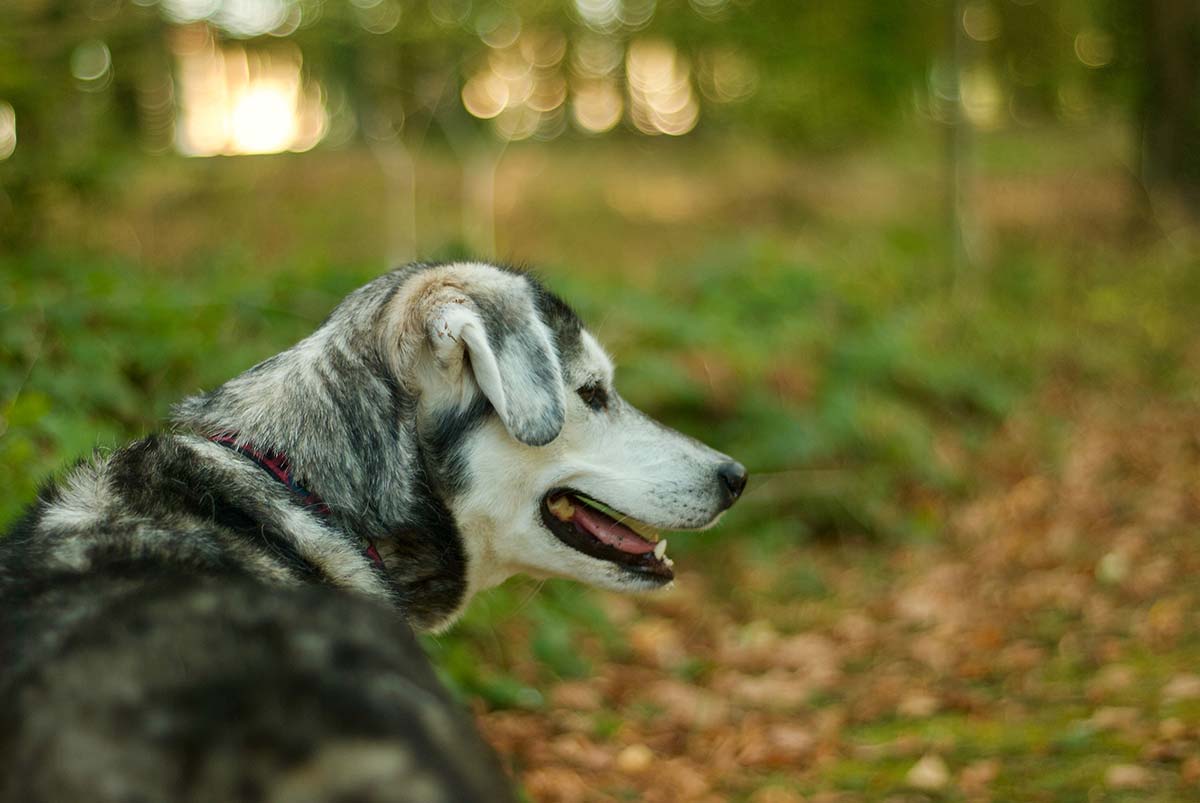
[[545, 468]]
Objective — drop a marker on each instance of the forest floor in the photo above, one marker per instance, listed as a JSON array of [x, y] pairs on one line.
[[1045, 648]]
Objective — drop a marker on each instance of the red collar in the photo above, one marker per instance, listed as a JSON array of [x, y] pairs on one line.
[[277, 465]]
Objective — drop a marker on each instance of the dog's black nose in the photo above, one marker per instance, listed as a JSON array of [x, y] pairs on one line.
[[733, 480]]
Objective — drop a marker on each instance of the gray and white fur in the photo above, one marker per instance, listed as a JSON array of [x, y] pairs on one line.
[[177, 624]]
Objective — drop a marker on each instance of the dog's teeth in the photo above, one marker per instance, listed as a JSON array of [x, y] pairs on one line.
[[660, 549], [562, 509]]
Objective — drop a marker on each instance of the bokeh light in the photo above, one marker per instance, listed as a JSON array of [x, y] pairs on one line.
[[450, 13], [520, 87], [601, 15], [498, 27], [91, 65], [727, 76], [239, 18], [234, 101], [485, 94], [377, 16], [660, 89], [596, 104], [980, 21], [710, 9], [1094, 48], [593, 55], [983, 100], [8, 130]]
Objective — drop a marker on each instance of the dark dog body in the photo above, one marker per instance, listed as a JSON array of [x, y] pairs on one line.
[[200, 656], [141, 683]]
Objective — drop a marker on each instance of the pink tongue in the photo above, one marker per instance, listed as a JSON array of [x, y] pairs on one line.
[[608, 531]]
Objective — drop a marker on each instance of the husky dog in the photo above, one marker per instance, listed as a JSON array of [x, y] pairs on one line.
[[225, 612]]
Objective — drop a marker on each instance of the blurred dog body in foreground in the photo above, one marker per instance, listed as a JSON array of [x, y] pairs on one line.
[[226, 612]]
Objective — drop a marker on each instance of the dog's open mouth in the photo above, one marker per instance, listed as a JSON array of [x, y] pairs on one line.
[[600, 532]]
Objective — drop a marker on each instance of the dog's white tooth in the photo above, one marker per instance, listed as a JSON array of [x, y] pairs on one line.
[[562, 508], [660, 549]]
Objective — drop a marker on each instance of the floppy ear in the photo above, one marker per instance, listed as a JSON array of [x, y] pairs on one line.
[[509, 353]]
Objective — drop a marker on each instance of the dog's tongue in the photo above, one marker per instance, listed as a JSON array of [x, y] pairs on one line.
[[609, 531]]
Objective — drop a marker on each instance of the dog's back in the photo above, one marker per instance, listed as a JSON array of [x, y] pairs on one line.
[[162, 638], [138, 683]]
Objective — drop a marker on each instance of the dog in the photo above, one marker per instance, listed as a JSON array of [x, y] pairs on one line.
[[226, 611]]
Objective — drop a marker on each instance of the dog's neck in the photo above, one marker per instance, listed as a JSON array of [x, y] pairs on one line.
[[333, 405], [330, 405]]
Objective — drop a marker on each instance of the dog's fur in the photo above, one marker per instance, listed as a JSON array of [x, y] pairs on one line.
[[177, 624]]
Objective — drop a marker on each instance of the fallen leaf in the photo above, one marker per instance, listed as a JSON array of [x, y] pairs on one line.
[[676, 780], [1180, 688], [634, 759], [780, 746], [1127, 776], [1114, 718], [555, 785], [1110, 681], [930, 774], [576, 695], [977, 776], [775, 690], [1189, 770], [657, 641], [775, 794], [577, 749], [1172, 728], [918, 705], [686, 705]]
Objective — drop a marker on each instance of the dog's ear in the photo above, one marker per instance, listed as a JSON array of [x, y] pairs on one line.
[[508, 350]]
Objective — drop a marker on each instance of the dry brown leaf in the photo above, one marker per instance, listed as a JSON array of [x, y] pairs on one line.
[[577, 696], [687, 705], [1127, 776], [676, 780], [779, 745], [976, 777], [577, 749], [930, 774], [657, 641], [918, 705], [1189, 769], [1181, 687], [776, 690], [555, 785], [1110, 681], [776, 794], [1115, 718], [1172, 728], [634, 759]]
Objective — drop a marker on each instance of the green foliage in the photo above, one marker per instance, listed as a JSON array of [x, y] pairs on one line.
[[847, 395], [856, 397]]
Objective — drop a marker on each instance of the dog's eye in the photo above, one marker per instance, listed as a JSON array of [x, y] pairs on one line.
[[594, 396]]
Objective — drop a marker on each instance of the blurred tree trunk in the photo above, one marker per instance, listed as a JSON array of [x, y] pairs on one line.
[[1171, 100]]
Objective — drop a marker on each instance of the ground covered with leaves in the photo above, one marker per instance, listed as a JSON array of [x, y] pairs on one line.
[[1046, 648]]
